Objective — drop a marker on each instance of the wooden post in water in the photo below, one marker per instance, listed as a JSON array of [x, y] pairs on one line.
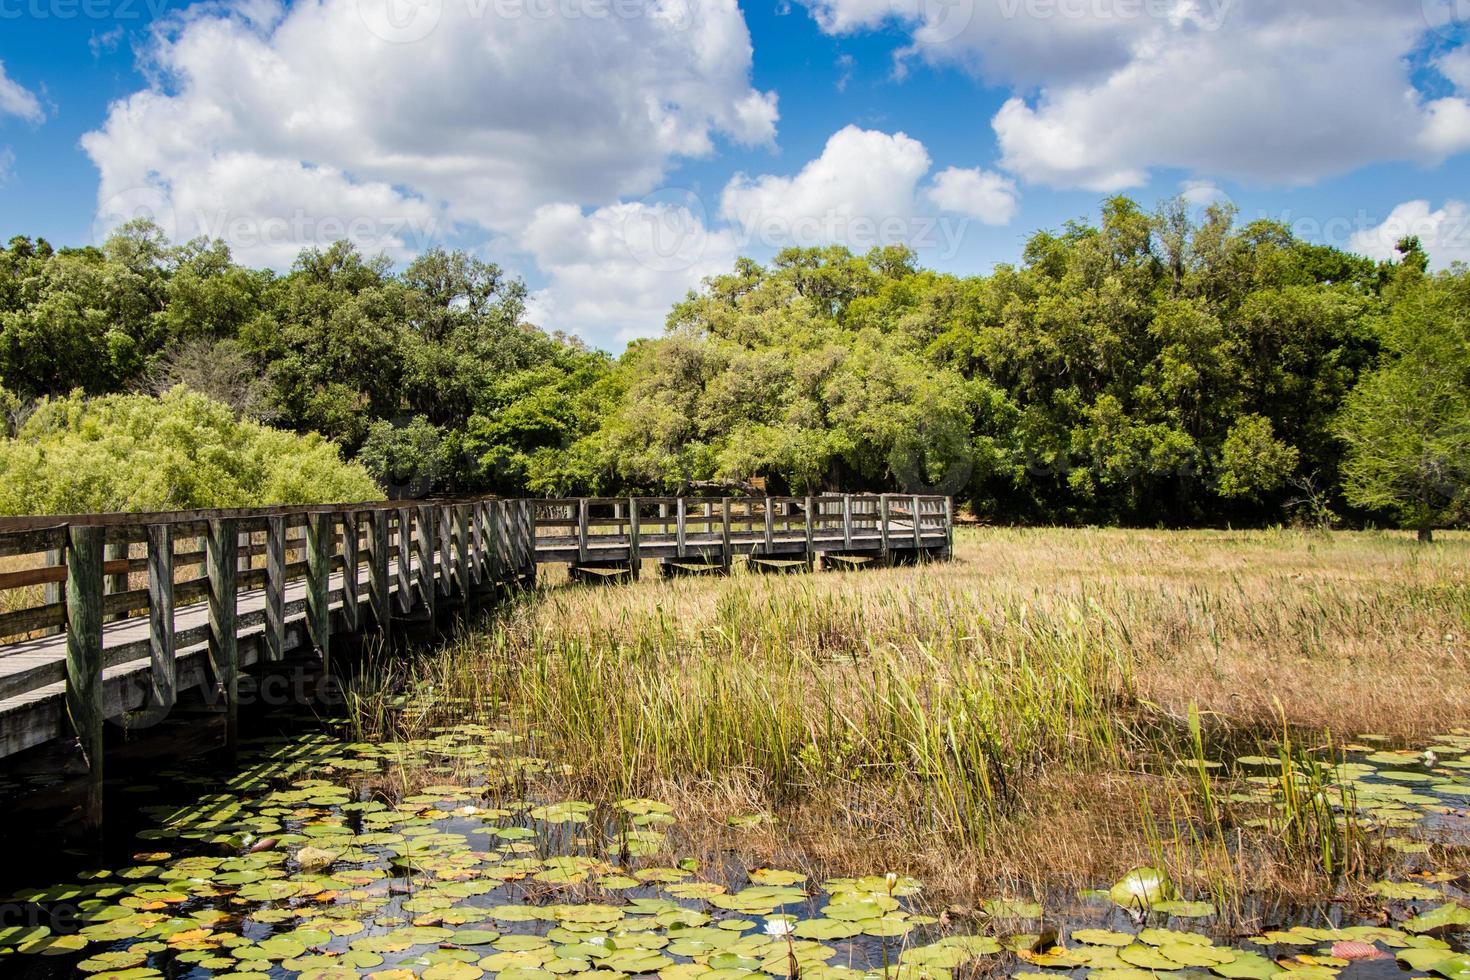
[[161, 616], [319, 533], [84, 693], [275, 588], [222, 561]]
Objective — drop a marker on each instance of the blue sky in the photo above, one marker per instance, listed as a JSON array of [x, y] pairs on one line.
[[613, 156]]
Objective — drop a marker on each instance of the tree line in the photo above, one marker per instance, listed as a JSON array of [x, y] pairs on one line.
[[1146, 368]]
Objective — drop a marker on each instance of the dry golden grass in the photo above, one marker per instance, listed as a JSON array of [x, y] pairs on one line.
[[1012, 721]]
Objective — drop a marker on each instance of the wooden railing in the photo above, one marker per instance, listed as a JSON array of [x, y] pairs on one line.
[[106, 616]]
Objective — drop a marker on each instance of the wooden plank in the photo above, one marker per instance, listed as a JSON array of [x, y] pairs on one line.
[[84, 590], [224, 650], [163, 664], [275, 588]]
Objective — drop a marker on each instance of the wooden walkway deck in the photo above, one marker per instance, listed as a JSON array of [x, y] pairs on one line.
[[107, 615]]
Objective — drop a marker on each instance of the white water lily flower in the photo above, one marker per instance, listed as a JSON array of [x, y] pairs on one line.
[[779, 928], [892, 880], [1429, 757], [469, 810]]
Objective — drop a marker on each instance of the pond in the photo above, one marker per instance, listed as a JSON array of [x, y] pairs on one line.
[[442, 857]]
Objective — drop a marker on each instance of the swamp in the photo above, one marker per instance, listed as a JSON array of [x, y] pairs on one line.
[[1106, 754]]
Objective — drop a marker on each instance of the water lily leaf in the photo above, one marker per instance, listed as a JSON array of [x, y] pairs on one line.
[[1447, 916], [1101, 937], [1147, 957], [1142, 888], [1247, 966]]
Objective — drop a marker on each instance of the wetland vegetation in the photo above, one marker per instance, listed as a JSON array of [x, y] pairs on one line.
[[1128, 754]]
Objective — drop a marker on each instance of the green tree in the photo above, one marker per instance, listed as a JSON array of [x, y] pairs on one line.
[[1407, 423]]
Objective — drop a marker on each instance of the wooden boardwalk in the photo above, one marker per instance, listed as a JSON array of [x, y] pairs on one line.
[[111, 614]]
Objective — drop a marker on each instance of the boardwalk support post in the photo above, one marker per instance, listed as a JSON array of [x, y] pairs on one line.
[[222, 559], [84, 557], [349, 570], [635, 560]]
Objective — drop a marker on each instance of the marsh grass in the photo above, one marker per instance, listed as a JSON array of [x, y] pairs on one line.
[[1036, 714]]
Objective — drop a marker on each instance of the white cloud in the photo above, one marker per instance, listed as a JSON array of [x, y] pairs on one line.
[[983, 195], [614, 273], [1445, 233], [447, 114], [16, 100], [1105, 91], [863, 179]]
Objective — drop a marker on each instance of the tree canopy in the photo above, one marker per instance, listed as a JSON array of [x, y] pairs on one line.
[[1145, 368]]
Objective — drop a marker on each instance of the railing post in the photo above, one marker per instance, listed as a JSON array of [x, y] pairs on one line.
[[114, 582], [53, 592], [460, 531], [84, 691], [770, 528], [379, 589], [883, 522], [497, 543], [811, 542], [428, 560], [319, 532], [223, 561], [405, 561], [635, 559], [349, 570], [581, 529], [847, 521], [918, 534], [477, 545], [727, 553], [948, 527], [679, 527], [161, 616], [275, 587]]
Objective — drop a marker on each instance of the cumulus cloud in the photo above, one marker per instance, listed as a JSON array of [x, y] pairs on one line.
[[1107, 90], [282, 124], [16, 100], [615, 272], [988, 197], [1445, 232]]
